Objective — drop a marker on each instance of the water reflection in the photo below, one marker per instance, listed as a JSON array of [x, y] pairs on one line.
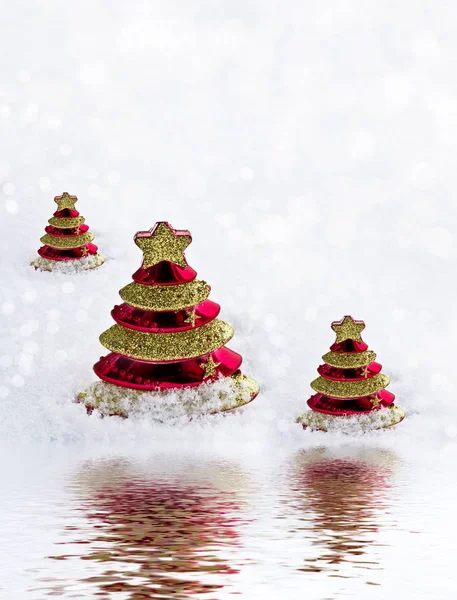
[[343, 504], [155, 538]]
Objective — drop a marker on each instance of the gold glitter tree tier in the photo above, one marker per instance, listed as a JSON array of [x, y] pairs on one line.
[[350, 389], [162, 347], [67, 242], [165, 297], [350, 360], [378, 419], [66, 223]]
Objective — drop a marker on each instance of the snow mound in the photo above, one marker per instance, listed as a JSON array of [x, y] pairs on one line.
[[168, 406], [68, 267], [354, 424]]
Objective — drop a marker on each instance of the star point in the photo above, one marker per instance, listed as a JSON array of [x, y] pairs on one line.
[[209, 366], [65, 201], [163, 243], [348, 329]]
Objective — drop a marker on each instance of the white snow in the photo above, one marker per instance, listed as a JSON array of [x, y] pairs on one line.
[[310, 149]]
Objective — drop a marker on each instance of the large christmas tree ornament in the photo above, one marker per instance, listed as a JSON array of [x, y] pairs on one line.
[[167, 347], [350, 389], [67, 240]]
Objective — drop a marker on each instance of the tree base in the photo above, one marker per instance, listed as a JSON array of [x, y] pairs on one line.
[[378, 419], [68, 266], [222, 395]]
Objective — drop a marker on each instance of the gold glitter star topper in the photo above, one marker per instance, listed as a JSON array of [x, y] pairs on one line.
[[65, 201], [348, 329], [163, 243], [209, 367]]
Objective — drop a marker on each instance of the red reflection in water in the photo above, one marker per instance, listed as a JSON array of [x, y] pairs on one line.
[[158, 540], [343, 501]]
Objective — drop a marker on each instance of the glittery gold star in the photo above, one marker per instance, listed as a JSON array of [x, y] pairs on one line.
[[163, 243], [65, 201], [84, 251], [375, 402], [191, 317], [209, 367], [348, 329]]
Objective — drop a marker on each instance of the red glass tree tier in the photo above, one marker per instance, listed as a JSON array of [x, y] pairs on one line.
[[350, 385], [167, 336], [67, 239]]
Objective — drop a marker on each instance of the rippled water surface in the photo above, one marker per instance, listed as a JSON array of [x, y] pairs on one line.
[[310, 524]]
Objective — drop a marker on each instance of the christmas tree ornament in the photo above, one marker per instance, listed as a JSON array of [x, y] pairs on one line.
[[350, 389], [67, 240], [167, 347]]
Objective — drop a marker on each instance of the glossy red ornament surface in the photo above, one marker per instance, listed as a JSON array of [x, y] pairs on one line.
[[67, 254], [146, 375], [338, 374], [164, 264], [164, 273], [66, 232], [349, 346], [66, 213], [344, 406], [70, 254], [165, 321], [348, 343]]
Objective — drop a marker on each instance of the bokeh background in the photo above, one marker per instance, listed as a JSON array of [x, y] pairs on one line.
[[309, 147]]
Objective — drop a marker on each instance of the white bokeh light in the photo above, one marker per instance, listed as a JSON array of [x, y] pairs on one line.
[[6, 361], [114, 178], [66, 149], [52, 327], [246, 173], [23, 76], [5, 111], [44, 183], [439, 241], [17, 380], [11, 206], [68, 287], [81, 316], [8, 308], [60, 356], [9, 188]]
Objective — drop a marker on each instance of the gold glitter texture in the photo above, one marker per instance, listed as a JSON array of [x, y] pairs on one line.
[[64, 223], [67, 242], [350, 389], [162, 243], [349, 360], [379, 419], [65, 201], [348, 329], [158, 347], [191, 317], [165, 297], [209, 367]]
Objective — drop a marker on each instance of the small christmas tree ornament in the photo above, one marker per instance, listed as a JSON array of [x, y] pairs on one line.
[[350, 388], [67, 240], [167, 349]]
